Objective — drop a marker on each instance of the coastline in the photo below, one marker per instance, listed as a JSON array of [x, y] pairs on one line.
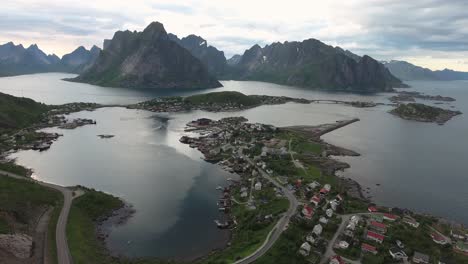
[[353, 183]]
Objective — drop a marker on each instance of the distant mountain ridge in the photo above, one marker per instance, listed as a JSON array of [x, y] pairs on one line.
[[17, 60], [312, 64], [80, 59], [410, 72], [212, 58], [147, 59]]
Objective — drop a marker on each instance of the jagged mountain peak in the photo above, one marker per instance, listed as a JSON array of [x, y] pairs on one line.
[[147, 59]]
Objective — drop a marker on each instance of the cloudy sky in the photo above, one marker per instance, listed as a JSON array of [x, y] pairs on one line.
[[430, 33]]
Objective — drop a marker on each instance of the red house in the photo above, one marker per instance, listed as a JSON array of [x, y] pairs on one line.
[[390, 217], [375, 236], [315, 200], [372, 209], [368, 248], [308, 212], [382, 228]]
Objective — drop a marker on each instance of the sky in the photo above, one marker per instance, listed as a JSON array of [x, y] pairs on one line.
[[429, 33]]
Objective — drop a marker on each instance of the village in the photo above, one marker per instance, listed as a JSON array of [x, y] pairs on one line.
[[228, 101], [331, 224]]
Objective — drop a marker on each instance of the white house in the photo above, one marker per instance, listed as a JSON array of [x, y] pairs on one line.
[[397, 254], [323, 220], [351, 226], [310, 239], [317, 229], [333, 205], [343, 244], [258, 186], [305, 249], [329, 213]]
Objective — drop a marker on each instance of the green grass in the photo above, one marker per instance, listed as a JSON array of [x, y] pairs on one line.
[[300, 144], [286, 248], [52, 248], [81, 229], [371, 259], [249, 234], [353, 205], [16, 112], [4, 227], [14, 168], [228, 97], [22, 197]]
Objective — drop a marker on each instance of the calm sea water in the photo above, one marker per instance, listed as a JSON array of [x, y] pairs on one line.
[[418, 166]]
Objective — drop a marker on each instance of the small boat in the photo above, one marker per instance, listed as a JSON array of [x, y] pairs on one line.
[[106, 136], [221, 225], [219, 188]]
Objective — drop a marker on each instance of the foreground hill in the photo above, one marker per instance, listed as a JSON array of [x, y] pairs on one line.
[[410, 72], [147, 59], [16, 112], [313, 64], [16, 60], [212, 58]]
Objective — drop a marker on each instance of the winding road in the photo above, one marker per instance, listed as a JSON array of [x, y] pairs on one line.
[[280, 225], [63, 253]]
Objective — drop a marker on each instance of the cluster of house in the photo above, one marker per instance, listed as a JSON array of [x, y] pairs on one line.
[[309, 210], [164, 104], [460, 236], [72, 108], [29, 139], [77, 123]]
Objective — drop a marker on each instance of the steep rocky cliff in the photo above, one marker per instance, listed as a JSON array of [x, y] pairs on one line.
[[147, 59], [211, 57], [313, 64]]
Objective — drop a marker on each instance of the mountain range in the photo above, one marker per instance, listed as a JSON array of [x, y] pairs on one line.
[[154, 58], [147, 59], [17, 60], [312, 64], [213, 59], [409, 72]]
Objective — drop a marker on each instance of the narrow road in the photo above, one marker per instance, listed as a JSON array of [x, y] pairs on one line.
[[63, 253], [280, 225], [330, 252]]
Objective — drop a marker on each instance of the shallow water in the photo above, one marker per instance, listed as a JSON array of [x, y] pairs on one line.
[[419, 166]]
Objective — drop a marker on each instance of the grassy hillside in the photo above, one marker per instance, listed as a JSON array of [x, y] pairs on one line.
[[23, 199], [81, 230], [228, 97], [18, 112]]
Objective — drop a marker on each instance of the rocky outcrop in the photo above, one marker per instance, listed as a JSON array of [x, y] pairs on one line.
[[313, 64], [212, 58], [147, 59], [234, 60]]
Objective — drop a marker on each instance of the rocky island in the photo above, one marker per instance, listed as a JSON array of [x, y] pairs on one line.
[[405, 96], [424, 113], [228, 101]]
